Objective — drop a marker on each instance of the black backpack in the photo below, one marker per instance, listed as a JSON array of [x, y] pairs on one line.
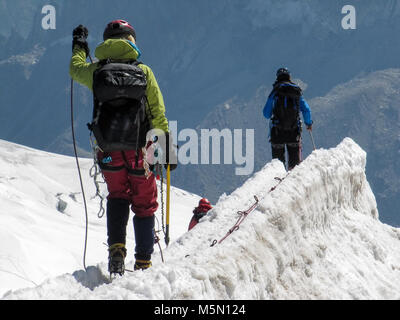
[[119, 120], [286, 115]]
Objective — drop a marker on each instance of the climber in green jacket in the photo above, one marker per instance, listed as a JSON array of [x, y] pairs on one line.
[[129, 182]]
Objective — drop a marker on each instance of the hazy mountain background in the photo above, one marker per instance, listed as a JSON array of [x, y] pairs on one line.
[[372, 101], [210, 54]]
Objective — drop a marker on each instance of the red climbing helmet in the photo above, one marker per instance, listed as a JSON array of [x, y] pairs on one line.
[[205, 204], [118, 27]]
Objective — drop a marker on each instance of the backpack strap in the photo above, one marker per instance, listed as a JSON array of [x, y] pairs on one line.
[[103, 62]]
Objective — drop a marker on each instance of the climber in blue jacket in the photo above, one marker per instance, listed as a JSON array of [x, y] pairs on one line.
[[283, 107]]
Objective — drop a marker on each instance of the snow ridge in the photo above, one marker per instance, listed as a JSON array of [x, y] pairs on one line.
[[316, 236]]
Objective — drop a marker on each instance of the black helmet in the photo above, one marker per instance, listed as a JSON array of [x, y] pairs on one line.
[[283, 73], [117, 28]]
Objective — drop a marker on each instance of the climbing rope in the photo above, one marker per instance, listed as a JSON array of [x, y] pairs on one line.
[[158, 169], [242, 216], [79, 172], [162, 200], [157, 240], [79, 169], [95, 173]]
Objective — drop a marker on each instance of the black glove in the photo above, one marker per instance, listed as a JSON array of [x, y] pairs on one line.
[[309, 126], [170, 150], [79, 36]]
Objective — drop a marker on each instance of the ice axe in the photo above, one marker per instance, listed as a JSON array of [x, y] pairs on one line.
[[168, 204]]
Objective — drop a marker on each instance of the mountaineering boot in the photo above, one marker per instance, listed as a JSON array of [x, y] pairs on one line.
[[142, 262], [116, 258]]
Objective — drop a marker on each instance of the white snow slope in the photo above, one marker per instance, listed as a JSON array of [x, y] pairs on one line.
[[37, 241], [315, 236]]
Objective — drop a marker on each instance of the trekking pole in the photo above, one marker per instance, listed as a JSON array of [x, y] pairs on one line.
[[168, 204], [312, 139]]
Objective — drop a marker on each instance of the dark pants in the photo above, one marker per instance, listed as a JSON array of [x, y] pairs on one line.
[[291, 139], [117, 220]]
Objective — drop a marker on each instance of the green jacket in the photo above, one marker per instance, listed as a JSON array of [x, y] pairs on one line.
[[116, 49]]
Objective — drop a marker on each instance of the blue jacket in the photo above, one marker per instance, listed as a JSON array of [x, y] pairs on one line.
[[304, 108]]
